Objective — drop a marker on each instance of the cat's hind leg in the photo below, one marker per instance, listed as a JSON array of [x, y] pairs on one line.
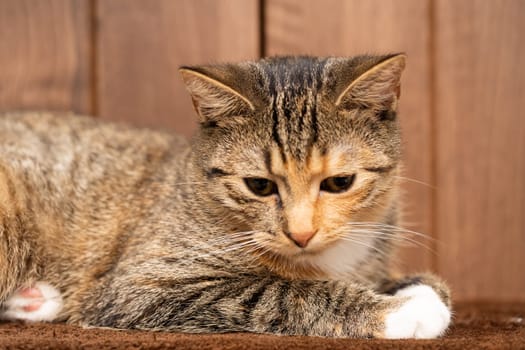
[[40, 302], [17, 247]]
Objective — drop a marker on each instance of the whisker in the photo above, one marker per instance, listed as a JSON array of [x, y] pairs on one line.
[[408, 179], [393, 237], [391, 231], [389, 227], [346, 238], [240, 246], [232, 237], [382, 233], [214, 247]]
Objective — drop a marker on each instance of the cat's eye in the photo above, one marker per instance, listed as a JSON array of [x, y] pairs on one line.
[[261, 186], [337, 184]]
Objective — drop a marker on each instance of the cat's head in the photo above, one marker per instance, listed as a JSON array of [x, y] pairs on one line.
[[300, 151]]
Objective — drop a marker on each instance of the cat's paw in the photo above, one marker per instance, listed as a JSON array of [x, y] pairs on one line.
[[423, 316], [41, 302]]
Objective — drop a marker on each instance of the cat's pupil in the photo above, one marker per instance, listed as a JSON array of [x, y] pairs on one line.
[[261, 186], [337, 184]]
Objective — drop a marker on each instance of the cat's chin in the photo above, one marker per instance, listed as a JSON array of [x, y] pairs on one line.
[[335, 261]]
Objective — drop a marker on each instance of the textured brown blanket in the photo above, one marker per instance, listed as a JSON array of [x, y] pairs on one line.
[[476, 326]]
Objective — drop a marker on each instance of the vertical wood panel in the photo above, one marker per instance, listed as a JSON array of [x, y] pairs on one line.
[[480, 86], [142, 44], [340, 27], [44, 55]]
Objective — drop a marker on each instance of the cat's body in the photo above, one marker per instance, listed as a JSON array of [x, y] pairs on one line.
[[280, 217]]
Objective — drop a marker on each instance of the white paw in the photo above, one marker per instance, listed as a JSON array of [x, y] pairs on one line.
[[423, 316], [40, 302]]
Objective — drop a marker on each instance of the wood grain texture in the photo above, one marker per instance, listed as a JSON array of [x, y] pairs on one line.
[[141, 44], [44, 55], [480, 86], [341, 27]]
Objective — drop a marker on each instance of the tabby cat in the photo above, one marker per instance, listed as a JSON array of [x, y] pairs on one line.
[[278, 217]]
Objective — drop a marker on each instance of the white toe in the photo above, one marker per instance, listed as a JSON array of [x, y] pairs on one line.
[[49, 309], [423, 316]]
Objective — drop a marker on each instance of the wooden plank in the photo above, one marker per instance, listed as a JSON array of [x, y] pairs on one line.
[[480, 85], [142, 44], [341, 27], [44, 55]]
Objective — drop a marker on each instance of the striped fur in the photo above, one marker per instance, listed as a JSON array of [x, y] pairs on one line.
[[140, 229]]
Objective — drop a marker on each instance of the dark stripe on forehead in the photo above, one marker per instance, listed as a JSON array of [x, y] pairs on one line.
[[287, 108], [304, 111], [318, 83], [293, 85], [275, 130], [315, 127], [268, 161], [271, 80]]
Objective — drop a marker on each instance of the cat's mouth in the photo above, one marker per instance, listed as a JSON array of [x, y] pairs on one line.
[[292, 252], [275, 246], [296, 265], [337, 257]]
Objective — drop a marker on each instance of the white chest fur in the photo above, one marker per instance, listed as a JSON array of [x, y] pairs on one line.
[[342, 259]]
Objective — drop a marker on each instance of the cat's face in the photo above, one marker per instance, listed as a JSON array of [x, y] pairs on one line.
[[297, 157]]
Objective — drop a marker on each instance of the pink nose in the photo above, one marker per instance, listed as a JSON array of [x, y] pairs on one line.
[[301, 239]]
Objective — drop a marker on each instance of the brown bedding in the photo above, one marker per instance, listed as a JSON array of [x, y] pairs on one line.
[[476, 326]]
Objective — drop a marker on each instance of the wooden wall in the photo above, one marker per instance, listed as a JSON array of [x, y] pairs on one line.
[[463, 123]]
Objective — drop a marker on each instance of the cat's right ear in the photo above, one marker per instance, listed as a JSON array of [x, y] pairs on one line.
[[214, 100], [376, 85]]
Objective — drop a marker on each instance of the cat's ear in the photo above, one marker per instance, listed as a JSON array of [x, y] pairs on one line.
[[377, 87], [215, 99]]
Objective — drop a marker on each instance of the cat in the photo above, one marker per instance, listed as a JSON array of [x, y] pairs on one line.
[[279, 216]]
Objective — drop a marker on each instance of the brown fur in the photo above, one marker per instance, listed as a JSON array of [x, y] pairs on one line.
[[139, 229]]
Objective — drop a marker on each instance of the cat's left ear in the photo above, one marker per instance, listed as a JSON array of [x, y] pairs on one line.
[[377, 88], [215, 97]]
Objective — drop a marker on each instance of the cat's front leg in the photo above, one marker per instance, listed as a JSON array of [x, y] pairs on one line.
[[264, 304], [426, 313]]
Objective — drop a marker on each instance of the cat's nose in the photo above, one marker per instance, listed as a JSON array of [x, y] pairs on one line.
[[301, 239]]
